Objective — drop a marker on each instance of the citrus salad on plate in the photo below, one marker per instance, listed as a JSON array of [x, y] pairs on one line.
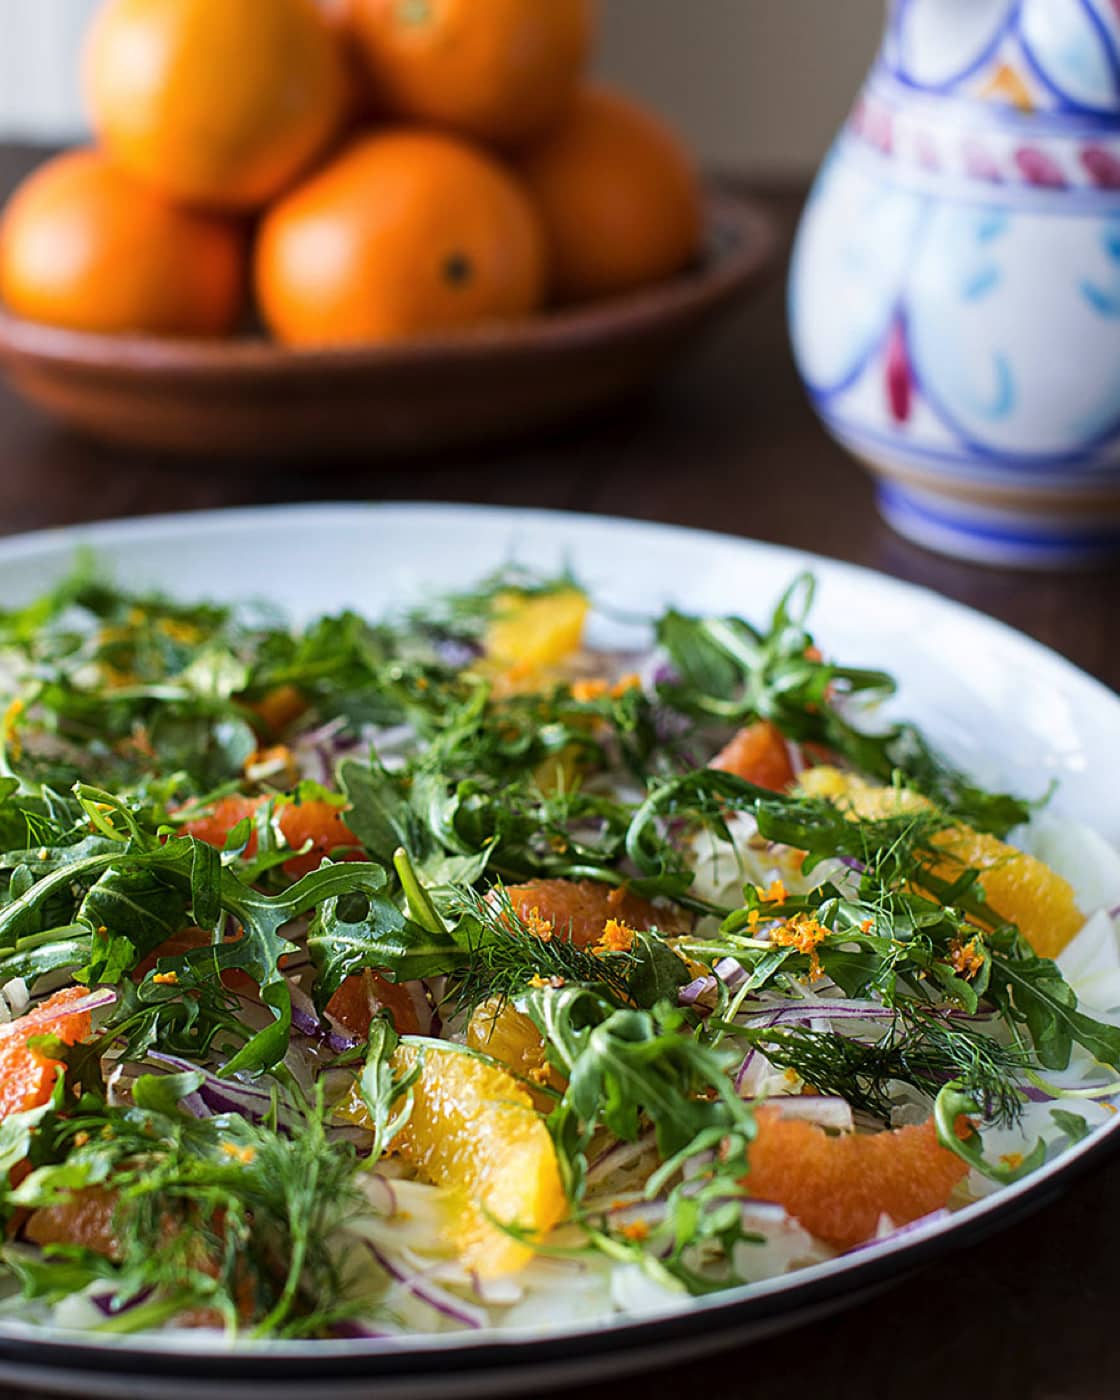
[[439, 973]]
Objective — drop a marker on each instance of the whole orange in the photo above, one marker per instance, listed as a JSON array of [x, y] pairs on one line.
[[218, 103], [404, 233], [502, 71], [619, 196], [82, 245]]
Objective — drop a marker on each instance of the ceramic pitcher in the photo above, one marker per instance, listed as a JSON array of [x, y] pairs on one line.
[[955, 296]]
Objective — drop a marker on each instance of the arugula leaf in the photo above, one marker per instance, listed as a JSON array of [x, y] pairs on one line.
[[656, 973], [728, 670], [1072, 1124], [624, 1065], [955, 1103], [139, 910], [382, 937], [245, 1216], [384, 820], [382, 1089], [1031, 991], [261, 946]]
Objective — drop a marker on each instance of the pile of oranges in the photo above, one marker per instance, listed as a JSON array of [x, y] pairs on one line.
[[364, 170]]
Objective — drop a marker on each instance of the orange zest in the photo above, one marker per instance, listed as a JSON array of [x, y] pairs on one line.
[[966, 959], [804, 933]]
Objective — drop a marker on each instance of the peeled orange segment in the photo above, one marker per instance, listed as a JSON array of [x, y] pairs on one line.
[[474, 1131], [499, 1030], [533, 633], [839, 1187], [581, 909], [759, 755], [1018, 886], [27, 1077]]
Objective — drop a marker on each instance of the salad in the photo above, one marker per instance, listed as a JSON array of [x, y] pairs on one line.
[[443, 972]]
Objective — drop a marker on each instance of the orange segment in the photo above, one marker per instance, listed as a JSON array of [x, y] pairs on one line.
[[1018, 886], [838, 1187], [499, 1030], [27, 1077], [757, 754], [531, 634], [581, 909], [475, 1132]]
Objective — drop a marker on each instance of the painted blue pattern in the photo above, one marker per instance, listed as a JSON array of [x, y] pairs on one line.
[[1105, 300], [1071, 52], [966, 327], [1014, 542], [1060, 538], [1073, 49]]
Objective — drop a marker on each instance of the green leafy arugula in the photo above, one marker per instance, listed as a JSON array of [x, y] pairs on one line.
[[147, 886], [244, 1215], [625, 1066], [730, 671]]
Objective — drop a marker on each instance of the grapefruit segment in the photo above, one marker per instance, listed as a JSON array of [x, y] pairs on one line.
[[319, 822], [27, 1076], [759, 755], [581, 909], [363, 995], [85, 1218], [839, 1187]]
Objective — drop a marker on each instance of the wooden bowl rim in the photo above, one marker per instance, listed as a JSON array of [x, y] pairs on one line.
[[741, 244]]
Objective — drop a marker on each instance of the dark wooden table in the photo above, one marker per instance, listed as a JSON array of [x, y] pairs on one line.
[[729, 443]]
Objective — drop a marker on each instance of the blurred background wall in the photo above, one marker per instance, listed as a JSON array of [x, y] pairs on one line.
[[756, 85]]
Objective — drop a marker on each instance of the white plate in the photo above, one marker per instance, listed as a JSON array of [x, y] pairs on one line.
[[1004, 707]]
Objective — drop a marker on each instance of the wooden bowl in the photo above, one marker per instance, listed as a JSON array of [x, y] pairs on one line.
[[251, 398]]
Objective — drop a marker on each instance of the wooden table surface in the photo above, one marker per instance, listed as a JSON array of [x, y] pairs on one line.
[[729, 444]]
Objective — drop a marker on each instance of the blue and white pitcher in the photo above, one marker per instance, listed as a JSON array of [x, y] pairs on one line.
[[955, 300]]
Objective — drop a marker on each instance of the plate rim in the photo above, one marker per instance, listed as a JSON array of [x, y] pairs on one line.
[[784, 1299]]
